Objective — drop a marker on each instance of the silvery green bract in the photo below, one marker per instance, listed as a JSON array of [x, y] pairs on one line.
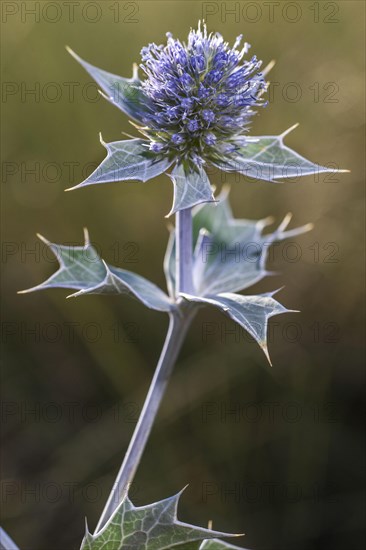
[[229, 255], [193, 107]]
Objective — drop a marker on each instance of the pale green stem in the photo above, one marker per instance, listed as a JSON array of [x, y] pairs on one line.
[[179, 322]]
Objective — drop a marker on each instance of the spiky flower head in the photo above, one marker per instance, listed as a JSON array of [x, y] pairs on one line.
[[200, 95], [194, 105]]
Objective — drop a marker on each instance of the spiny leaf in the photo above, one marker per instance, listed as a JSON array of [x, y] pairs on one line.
[[268, 158], [229, 254], [83, 270], [250, 312], [190, 187], [151, 527], [126, 160], [124, 93]]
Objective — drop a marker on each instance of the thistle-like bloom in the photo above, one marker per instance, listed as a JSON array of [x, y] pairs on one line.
[[193, 107], [200, 95]]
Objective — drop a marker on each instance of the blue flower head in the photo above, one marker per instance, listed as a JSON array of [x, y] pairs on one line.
[[200, 95], [193, 106]]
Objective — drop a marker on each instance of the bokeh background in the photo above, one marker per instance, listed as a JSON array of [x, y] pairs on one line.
[[275, 453]]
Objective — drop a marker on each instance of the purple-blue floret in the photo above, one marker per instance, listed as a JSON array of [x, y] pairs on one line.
[[200, 95]]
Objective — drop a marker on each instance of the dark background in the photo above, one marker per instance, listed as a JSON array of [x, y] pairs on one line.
[[275, 453]]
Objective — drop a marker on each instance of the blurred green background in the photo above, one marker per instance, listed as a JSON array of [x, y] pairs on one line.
[[275, 453]]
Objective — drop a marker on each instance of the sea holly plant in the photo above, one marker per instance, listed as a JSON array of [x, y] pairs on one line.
[[192, 106]]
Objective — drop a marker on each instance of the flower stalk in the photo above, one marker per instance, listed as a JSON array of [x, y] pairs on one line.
[[179, 322], [178, 326], [184, 251]]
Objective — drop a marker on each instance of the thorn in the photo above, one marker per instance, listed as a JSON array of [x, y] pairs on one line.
[[308, 227], [86, 236], [268, 273], [225, 191], [105, 96], [72, 188], [101, 140], [135, 70], [26, 291], [286, 132], [71, 52], [128, 135], [264, 348], [273, 292], [43, 239], [269, 67], [76, 294], [286, 220], [135, 125], [293, 232]]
